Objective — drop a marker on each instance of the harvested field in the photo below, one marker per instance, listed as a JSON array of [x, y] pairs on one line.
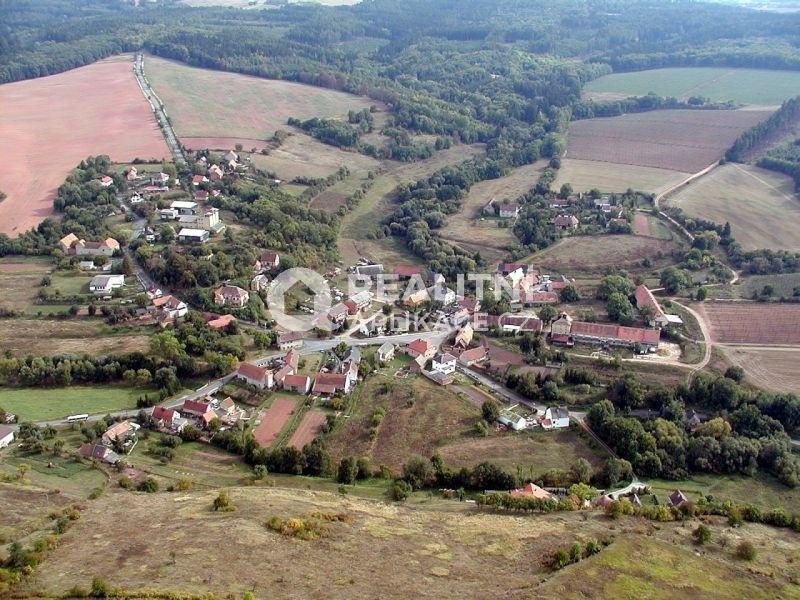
[[469, 224], [498, 354], [303, 156], [648, 225], [20, 281], [773, 369], [640, 224], [473, 393], [534, 452], [747, 86], [760, 205], [582, 254], [752, 323], [250, 109], [308, 429], [22, 336], [584, 175], [273, 420], [48, 125], [679, 140]]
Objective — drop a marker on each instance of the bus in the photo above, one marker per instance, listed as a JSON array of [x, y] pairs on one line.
[[76, 418]]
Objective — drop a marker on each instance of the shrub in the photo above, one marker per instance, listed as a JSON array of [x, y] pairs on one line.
[[222, 503], [746, 551], [399, 490], [702, 534], [125, 482], [148, 485]]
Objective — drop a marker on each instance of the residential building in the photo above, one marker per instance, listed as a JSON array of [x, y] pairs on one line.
[[438, 377], [119, 432], [292, 358], [512, 421], [75, 246], [565, 222], [414, 299], [229, 156], [215, 173], [89, 265], [328, 384], [99, 452], [444, 363], [198, 179], [195, 408], [131, 174], [259, 282], [105, 284], [6, 435], [292, 339], [261, 377], [464, 336], [66, 242], [531, 489], [170, 307], [106, 181], [267, 261], [470, 357], [649, 306], [512, 270], [385, 352], [369, 270], [508, 211], [555, 417], [407, 271], [231, 295], [218, 321], [420, 347], [185, 207], [337, 314], [165, 418], [440, 293], [193, 236], [281, 374], [538, 298], [300, 384], [359, 301], [562, 325]]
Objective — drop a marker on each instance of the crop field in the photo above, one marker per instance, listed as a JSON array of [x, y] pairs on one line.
[[47, 404], [45, 337], [468, 225], [249, 111], [773, 369], [588, 254], [97, 109], [745, 86], [678, 140], [303, 156], [308, 429], [760, 205], [584, 175], [273, 420], [752, 323]]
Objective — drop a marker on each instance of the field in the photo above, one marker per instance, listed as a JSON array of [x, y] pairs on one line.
[[273, 420], [46, 337], [303, 156], [20, 280], [783, 283], [249, 111], [50, 404], [48, 125], [761, 206], [588, 254], [752, 323], [677, 140], [772, 369], [308, 429], [470, 230], [584, 175], [745, 86]]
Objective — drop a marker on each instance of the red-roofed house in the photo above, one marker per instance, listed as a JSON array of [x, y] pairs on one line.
[[647, 303], [261, 377], [538, 298], [220, 321], [198, 179], [106, 181], [531, 489], [164, 417], [407, 271], [231, 295], [474, 356], [281, 374], [195, 408], [297, 383], [290, 339], [422, 348], [170, 307], [328, 384], [267, 261], [292, 358], [615, 335], [564, 222]]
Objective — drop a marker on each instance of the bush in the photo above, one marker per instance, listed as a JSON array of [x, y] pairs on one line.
[[222, 503], [746, 551], [148, 485], [125, 482], [702, 535], [399, 490]]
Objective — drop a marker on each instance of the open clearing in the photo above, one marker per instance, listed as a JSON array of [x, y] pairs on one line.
[[586, 253], [308, 429], [773, 369], [48, 125], [746, 86], [303, 156], [469, 229], [45, 337], [760, 205], [678, 140], [48, 404], [584, 175], [235, 108], [20, 281], [752, 323], [273, 420]]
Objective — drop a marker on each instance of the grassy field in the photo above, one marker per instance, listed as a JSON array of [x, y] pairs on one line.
[[761, 206], [48, 404], [679, 140], [20, 280], [783, 283], [773, 369], [303, 156], [584, 175], [250, 110], [585, 254], [746, 86], [22, 336]]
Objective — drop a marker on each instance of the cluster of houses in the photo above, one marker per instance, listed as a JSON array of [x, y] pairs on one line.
[[565, 220], [197, 223], [119, 438], [72, 245]]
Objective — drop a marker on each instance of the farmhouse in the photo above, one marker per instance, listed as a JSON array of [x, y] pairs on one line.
[[555, 417], [358, 302], [66, 242], [167, 418], [615, 335], [231, 295], [420, 347], [508, 211], [261, 377], [6, 435], [531, 489], [385, 352], [267, 261], [119, 432], [474, 356], [444, 363], [464, 336], [104, 284], [170, 307], [565, 222], [414, 299], [193, 236], [289, 340], [99, 452], [649, 306], [328, 384], [195, 408], [297, 383]]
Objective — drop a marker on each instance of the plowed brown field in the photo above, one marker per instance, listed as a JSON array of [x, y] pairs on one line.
[[753, 323], [308, 429], [273, 420]]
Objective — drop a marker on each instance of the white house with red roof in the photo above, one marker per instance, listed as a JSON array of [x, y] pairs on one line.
[[647, 303], [261, 377], [231, 295], [300, 384], [473, 356], [555, 417], [328, 384], [195, 408], [420, 347]]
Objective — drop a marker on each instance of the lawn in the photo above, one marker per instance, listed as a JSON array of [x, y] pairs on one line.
[[585, 175], [760, 205], [746, 86], [50, 404]]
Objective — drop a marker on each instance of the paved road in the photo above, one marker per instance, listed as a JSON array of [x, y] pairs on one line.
[[158, 109]]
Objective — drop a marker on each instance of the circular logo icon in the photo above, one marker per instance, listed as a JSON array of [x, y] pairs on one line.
[[315, 284]]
